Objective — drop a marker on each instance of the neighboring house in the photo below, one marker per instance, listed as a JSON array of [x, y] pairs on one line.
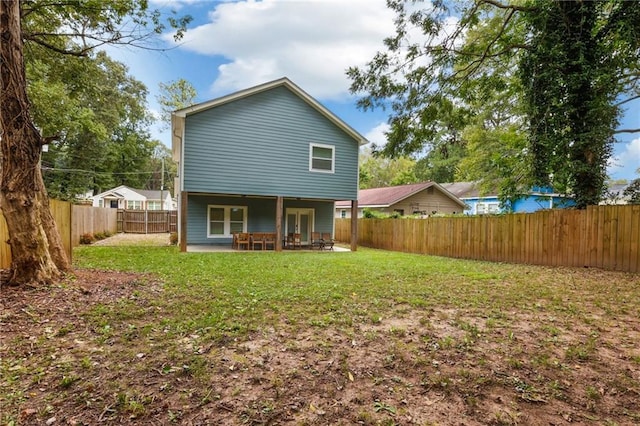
[[425, 199], [127, 198], [489, 203], [266, 159]]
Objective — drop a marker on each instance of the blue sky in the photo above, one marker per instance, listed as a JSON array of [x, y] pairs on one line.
[[232, 45]]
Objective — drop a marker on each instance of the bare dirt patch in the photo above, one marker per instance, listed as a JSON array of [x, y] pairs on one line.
[[63, 365], [127, 239]]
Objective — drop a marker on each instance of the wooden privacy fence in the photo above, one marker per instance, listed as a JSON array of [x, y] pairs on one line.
[[605, 237], [91, 220], [147, 221], [72, 221]]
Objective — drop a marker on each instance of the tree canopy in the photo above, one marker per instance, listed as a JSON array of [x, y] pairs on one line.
[[532, 90], [90, 106], [94, 113]]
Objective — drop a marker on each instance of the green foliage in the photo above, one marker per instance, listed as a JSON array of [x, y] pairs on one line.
[[175, 95], [85, 102], [547, 78], [633, 192], [497, 160], [441, 163], [573, 73], [377, 171]]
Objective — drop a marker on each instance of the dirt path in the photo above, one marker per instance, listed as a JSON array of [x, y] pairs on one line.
[[123, 239]]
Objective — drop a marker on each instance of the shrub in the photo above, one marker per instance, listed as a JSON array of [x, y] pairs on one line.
[[173, 238], [86, 238], [99, 236]]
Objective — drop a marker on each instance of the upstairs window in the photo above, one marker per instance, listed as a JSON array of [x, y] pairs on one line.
[[321, 158]]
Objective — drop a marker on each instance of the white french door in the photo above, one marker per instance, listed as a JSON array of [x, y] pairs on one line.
[[300, 221]]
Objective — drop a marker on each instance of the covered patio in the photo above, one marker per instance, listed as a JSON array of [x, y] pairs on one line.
[[202, 248]]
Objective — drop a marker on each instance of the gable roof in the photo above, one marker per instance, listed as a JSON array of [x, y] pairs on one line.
[[390, 195], [284, 82], [152, 194], [148, 194]]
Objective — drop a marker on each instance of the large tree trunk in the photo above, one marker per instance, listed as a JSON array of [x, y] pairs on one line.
[[38, 256]]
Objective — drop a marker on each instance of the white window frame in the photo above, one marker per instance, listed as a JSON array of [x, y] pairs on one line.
[[134, 205], [487, 208], [227, 220], [152, 204], [311, 158], [493, 208]]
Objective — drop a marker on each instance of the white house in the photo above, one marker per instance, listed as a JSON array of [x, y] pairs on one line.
[[127, 198]]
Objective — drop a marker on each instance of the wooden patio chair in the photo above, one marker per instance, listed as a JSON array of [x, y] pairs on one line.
[[327, 241], [316, 241], [257, 239], [294, 240], [244, 239], [269, 240]]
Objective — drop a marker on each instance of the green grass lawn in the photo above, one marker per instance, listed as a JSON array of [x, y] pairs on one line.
[[241, 292], [370, 337]]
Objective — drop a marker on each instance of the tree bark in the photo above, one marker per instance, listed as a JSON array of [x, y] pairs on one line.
[[38, 256]]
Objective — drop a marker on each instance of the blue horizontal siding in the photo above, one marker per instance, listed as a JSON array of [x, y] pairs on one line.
[[528, 204], [259, 145], [261, 215]]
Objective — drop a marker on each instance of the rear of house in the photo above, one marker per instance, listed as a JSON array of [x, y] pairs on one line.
[[266, 159]]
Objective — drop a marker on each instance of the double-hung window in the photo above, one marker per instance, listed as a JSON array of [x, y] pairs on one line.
[[224, 221], [134, 205], [321, 158], [154, 205], [487, 208]]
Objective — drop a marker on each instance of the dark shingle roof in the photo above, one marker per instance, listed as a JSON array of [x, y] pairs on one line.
[[151, 194]]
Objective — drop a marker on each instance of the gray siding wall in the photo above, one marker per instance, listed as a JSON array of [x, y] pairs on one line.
[[259, 145], [261, 215]]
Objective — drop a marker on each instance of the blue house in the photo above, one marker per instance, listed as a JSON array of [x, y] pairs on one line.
[[534, 200], [266, 159]]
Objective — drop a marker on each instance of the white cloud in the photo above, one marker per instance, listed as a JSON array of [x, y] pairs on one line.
[[172, 4], [377, 134], [311, 42], [625, 164]]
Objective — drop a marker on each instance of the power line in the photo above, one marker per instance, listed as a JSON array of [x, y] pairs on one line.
[[93, 172]]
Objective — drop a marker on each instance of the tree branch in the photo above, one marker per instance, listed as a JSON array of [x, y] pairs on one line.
[[475, 64], [509, 6], [627, 131], [632, 98]]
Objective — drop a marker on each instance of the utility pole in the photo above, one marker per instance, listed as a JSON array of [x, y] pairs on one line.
[[162, 186]]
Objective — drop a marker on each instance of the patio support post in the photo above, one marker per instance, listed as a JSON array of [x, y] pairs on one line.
[[279, 205], [354, 225], [183, 221]]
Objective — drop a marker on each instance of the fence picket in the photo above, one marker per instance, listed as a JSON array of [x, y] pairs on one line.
[[606, 237]]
